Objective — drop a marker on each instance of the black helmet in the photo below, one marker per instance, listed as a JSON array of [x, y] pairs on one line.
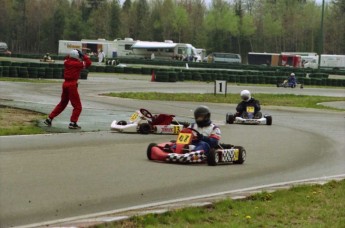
[[202, 116]]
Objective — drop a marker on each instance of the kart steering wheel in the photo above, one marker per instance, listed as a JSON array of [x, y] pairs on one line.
[[195, 131], [146, 113]]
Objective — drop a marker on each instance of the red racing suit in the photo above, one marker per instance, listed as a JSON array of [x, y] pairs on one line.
[[72, 70]]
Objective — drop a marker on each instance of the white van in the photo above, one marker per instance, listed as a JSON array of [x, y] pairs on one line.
[[3, 47], [218, 57], [327, 61]]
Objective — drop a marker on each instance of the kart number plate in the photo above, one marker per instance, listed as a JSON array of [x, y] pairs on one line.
[[184, 138], [133, 117], [250, 109]]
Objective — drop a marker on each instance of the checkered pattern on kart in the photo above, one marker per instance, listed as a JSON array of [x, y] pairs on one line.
[[192, 157]]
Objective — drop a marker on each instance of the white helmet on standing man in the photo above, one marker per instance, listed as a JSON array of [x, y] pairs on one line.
[[74, 54], [245, 95]]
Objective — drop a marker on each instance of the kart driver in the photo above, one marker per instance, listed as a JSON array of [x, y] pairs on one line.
[[248, 100], [209, 133], [292, 80]]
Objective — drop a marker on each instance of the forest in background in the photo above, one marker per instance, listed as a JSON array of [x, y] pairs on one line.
[[237, 26]]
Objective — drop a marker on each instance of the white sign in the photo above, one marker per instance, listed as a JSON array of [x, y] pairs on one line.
[[220, 87]]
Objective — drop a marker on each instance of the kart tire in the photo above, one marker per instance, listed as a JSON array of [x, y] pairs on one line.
[[144, 128], [241, 156], [149, 150], [212, 158], [122, 122], [268, 120], [230, 118]]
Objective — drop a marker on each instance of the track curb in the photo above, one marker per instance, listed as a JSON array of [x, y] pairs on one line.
[[164, 206]]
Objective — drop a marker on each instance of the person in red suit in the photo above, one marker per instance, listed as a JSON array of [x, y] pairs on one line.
[[74, 63]]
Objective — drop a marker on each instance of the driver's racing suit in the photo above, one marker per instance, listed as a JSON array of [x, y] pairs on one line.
[[242, 106], [209, 138]]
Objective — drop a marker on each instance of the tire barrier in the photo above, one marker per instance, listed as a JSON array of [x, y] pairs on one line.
[[265, 76], [13, 72], [83, 74], [162, 76]]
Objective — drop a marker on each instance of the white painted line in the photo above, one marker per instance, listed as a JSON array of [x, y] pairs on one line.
[[107, 213]]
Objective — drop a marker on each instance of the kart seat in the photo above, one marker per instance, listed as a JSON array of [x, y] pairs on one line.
[[162, 119]]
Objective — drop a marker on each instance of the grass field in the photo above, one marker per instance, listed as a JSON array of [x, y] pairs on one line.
[[291, 100], [19, 122], [302, 206]]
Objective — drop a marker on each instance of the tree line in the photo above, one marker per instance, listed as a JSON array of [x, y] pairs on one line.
[[238, 26]]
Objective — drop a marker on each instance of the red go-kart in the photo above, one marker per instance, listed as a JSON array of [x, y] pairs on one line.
[[182, 151]]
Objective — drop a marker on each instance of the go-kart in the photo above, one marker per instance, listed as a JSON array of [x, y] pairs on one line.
[[248, 117], [287, 84], [182, 151], [144, 122], [47, 60]]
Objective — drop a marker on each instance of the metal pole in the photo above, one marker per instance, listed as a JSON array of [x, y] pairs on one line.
[[321, 33]]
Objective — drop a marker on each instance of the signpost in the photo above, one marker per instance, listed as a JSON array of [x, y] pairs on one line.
[[220, 87]]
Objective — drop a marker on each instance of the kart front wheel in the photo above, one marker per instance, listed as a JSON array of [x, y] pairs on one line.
[[230, 118], [242, 154], [149, 150], [213, 158], [268, 120]]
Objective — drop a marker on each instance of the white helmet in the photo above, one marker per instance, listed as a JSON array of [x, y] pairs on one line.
[[74, 54], [292, 74], [245, 95]]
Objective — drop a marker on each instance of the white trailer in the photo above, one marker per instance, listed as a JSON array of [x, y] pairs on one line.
[[165, 50], [91, 47], [66, 46], [327, 61], [134, 49]]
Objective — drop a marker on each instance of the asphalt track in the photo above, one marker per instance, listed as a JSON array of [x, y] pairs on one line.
[[54, 176]]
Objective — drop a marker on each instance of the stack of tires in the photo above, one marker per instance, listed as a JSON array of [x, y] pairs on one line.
[[196, 76], [181, 76], [23, 72], [41, 72], [33, 72], [162, 76], [58, 73], [83, 74], [13, 72], [173, 76]]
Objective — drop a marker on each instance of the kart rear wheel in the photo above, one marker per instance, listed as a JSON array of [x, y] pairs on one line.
[[268, 120], [144, 128], [213, 158], [149, 150], [241, 155], [230, 118]]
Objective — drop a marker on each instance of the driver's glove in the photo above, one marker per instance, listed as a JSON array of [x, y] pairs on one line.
[[200, 136], [81, 55]]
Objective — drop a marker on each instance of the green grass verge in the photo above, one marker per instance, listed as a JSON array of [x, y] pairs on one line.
[[302, 101], [23, 130], [32, 80], [302, 206], [15, 121]]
